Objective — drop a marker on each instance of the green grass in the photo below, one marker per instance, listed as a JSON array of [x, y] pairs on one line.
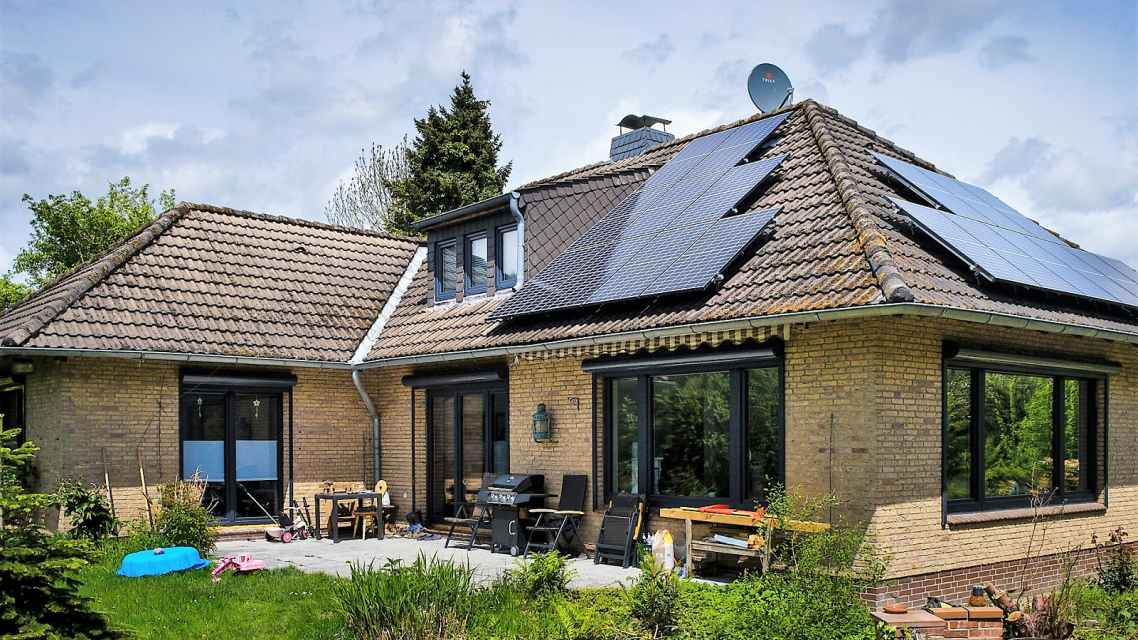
[[277, 604]]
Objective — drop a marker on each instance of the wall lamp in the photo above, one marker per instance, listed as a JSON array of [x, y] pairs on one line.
[[542, 429]]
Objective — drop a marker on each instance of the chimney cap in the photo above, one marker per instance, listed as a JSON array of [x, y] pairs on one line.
[[632, 121]]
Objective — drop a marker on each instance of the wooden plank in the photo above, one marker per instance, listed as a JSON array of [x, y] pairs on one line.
[[686, 513]]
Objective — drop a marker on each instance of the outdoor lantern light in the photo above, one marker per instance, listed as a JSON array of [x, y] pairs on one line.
[[541, 430], [23, 366]]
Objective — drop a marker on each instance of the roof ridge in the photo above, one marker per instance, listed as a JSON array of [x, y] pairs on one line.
[[298, 221], [869, 235], [579, 180], [88, 275]]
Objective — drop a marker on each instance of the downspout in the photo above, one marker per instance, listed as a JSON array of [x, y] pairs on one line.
[[374, 422], [369, 340], [521, 250]]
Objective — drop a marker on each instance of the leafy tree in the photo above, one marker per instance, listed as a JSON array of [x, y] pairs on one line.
[[453, 161], [12, 292], [365, 201], [39, 584], [70, 230]]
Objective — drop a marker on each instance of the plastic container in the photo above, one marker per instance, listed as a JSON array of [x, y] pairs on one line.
[[156, 562]]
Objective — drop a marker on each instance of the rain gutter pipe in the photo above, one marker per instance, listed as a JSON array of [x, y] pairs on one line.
[[521, 250], [369, 340]]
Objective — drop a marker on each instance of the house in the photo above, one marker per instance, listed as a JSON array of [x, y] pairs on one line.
[[833, 314]]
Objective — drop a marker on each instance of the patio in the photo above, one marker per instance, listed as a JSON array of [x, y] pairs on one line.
[[323, 556]]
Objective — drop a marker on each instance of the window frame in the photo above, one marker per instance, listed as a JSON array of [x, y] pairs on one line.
[[468, 284], [1097, 433], [500, 282], [738, 427], [439, 246]]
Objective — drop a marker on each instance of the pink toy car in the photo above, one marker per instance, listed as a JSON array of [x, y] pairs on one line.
[[243, 563]]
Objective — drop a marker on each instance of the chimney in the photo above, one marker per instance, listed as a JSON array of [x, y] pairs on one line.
[[642, 136]]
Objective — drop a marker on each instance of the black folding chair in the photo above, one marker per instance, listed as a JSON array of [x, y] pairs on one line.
[[616, 539], [473, 515], [562, 523]]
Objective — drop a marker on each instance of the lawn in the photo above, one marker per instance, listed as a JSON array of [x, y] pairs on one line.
[[282, 603]]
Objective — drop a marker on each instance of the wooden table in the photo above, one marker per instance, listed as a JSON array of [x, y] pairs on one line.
[[689, 515], [335, 498]]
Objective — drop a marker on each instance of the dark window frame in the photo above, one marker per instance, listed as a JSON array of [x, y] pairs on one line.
[[500, 281], [469, 286], [488, 390], [643, 372], [1097, 431], [229, 392], [18, 421], [439, 246]]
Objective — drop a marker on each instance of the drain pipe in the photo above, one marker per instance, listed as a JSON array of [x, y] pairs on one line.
[[521, 250], [374, 421]]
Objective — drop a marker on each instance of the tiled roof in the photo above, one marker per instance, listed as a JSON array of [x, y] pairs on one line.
[[214, 281], [836, 244]]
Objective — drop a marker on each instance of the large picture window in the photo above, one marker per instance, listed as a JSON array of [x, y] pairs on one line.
[[1013, 435], [699, 436]]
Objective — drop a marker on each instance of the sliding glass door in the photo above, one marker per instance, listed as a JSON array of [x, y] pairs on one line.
[[468, 436], [233, 439]]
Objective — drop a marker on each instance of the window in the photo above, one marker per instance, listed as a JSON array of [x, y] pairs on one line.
[[506, 257], [703, 435], [475, 264], [1013, 434], [446, 270]]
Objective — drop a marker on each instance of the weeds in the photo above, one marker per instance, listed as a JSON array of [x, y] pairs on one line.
[[547, 575], [428, 599]]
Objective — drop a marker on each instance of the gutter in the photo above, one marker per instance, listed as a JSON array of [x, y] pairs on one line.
[[369, 340], [907, 308], [174, 356], [464, 212]]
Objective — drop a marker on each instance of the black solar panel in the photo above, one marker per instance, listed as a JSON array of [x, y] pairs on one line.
[[1026, 259], [669, 235]]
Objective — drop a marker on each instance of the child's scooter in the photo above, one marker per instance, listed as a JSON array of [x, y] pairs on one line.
[[287, 527]]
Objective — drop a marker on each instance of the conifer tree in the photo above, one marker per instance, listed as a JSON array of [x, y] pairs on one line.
[[452, 162]]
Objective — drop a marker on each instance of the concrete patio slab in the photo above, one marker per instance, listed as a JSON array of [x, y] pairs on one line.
[[324, 556]]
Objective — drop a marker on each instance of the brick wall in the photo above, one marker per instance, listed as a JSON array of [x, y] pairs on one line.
[[80, 408]]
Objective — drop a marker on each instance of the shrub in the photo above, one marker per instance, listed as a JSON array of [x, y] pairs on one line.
[[426, 599], [654, 599], [182, 518], [547, 575], [1117, 569], [88, 509]]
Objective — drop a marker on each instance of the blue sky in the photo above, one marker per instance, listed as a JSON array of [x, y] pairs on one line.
[[266, 105]]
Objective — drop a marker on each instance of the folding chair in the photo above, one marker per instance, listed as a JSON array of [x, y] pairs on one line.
[[473, 515], [616, 538], [563, 522], [370, 513]]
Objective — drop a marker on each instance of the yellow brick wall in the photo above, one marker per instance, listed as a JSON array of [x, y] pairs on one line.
[[80, 408]]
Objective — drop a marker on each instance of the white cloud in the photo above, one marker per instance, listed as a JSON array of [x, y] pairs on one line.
[[1001, 51]]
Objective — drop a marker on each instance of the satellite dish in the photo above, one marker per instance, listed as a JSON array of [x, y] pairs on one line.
[[769, 87]]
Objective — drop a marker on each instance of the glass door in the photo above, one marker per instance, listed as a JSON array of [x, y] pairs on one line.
[[232, 440], [468, 435]]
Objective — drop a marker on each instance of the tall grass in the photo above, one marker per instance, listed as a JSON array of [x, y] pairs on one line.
[[426, 599]]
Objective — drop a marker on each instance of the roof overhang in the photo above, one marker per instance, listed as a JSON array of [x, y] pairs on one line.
[[142, 356], [479, 208], [891, 309]]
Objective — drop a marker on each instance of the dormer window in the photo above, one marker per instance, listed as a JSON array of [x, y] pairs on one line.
[[506, 257], [446, 270], [475, 264]]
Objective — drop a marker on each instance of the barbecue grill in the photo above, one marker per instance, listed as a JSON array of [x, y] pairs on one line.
[[507, 496]]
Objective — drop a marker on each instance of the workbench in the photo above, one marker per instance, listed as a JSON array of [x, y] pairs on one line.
[[739, 519]]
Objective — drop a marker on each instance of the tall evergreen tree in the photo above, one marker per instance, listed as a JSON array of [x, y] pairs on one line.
[[453, 161]]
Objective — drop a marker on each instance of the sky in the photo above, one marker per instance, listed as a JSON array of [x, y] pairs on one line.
[[266, 106]]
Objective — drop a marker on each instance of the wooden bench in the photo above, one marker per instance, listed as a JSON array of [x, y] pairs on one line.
[[689, 515]]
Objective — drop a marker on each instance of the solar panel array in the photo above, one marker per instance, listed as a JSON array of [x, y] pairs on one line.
[[670, 235], [1004, 245]]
